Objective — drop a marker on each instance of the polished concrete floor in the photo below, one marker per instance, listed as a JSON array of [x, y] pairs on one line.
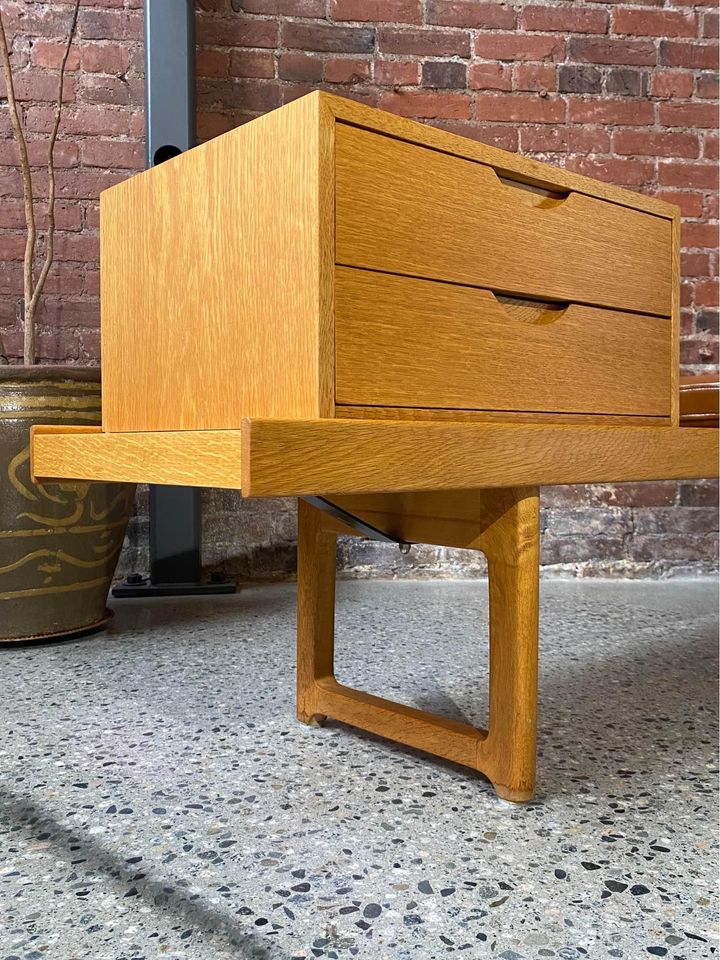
[[159, 800]]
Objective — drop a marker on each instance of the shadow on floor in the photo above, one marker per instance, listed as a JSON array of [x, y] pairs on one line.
[[166, 895]]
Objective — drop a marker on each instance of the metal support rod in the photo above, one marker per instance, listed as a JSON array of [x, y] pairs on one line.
[[355, 523], [175, 520]]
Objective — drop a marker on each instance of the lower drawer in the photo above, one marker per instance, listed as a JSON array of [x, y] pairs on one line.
[[404, 342]]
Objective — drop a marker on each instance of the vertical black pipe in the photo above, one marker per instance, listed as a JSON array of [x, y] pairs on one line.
[[175, 519]]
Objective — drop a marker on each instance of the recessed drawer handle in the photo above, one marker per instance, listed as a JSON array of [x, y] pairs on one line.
[[530, 311], [535, 196]]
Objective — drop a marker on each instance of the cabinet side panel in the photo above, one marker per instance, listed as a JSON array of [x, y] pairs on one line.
[[211, 282]]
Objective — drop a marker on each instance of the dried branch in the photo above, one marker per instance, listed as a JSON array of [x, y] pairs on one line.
[[33, 290], [24, 170]]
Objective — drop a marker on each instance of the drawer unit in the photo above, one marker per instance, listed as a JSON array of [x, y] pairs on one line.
[[331, 260], [403, 342]]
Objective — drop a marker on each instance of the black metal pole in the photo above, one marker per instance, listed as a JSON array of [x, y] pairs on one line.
[[175, 518]]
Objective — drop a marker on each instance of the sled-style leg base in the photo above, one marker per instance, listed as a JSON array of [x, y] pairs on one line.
[[504, 525]]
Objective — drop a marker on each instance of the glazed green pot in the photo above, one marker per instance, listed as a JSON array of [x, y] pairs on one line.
[[59, 542]]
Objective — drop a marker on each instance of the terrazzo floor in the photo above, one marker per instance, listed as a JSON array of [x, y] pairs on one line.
[[158, 799]]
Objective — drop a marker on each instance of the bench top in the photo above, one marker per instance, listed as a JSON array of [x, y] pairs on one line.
[[308, 457]]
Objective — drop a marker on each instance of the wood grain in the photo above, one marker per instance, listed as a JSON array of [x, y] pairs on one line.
[[510, 165], [418, 212], [189, 458], [217, 280], [297, 458], [504, 524], [416, 343], [291, 458]]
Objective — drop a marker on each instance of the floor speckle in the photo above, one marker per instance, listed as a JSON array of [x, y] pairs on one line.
[[159, 800]]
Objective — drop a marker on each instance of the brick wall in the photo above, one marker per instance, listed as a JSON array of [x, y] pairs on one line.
[[624, 92]]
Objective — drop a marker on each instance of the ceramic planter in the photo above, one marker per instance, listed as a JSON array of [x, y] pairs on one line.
[[59, 542]]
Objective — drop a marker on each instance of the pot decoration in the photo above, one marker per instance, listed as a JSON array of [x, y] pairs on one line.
[[59, 542]]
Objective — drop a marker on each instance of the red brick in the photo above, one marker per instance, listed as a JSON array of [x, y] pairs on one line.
[[690, 203], [661, 494], [56, 344], [695, 264], [347, 70], [104, 89], [471, 13], [48, 55], [711, 25], [87, 184], [694, 56], [237, 32], [641, 143], [698, 352], [115, 154], [520, 108], [699, 493], [688, 115], [707, 86], [534, 76], [378, 11], [712, 206], [252, 63], [706, 293], [503, 135], [397, 73], [710, 147], [282, 8], [327, 37], [32, 85], [12, 246], [549, 139], [65, 153], [490, 76], [699, 235], [299, 66], [428, 105], [518, 46], [212, 63], [568, 18], [622, 112], [70, 313], [630, 173], [655, 23], [626, 52], [253, 96], [417, 42], [104, 58], [678, 174], [106, 24], [444, 74], [671, 84]]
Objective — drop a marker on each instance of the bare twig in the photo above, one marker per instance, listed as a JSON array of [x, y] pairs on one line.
[[24, 170], [33, 290]]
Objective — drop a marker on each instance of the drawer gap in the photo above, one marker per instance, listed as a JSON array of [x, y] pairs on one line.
[[526, 310], [533, 194], [498, 292]]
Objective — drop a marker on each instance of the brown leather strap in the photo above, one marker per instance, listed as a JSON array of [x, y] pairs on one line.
[[700, 400]]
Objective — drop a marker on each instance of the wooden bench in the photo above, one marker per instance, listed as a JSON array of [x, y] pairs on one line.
[[410, 331]]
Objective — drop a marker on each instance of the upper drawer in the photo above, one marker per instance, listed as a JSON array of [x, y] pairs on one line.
[[410, 210]]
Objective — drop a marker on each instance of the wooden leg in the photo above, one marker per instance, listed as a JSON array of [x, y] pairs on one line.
[[507, 755], [316, 610], [504, 524]]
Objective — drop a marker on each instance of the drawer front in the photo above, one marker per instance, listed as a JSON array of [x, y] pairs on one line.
[[406, 342], [409, 210]]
